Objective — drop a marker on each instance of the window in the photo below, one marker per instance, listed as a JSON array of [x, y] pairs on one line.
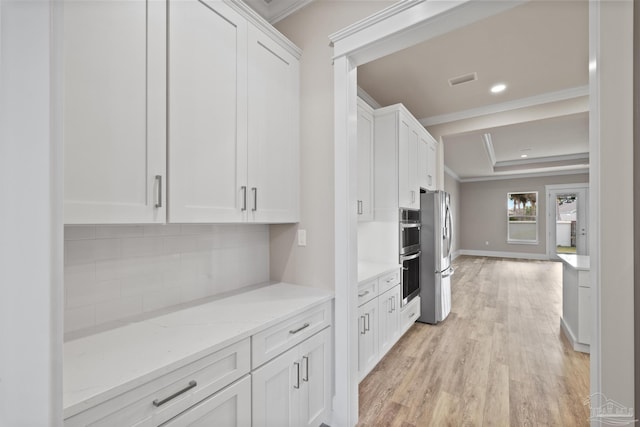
[[522, 217]]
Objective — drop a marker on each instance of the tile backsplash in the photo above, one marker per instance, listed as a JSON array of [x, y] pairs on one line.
[[114, 272]]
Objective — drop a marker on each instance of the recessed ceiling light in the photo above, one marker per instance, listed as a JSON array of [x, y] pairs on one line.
[[498, 88], [524, 155]]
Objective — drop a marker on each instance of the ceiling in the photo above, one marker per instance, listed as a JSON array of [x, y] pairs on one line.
[[539, 50]]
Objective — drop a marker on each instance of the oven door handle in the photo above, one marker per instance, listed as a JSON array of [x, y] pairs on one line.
[[410, 257], [410, 225]]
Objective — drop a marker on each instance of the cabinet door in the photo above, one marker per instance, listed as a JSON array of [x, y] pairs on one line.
[[207, 112], [432, 160], [584, 315], [273, 90], [367, 337], [114, 109], [365, 162], [423, 162], [315, 376], [275, 397], [408, 191], [230, 407], [389, 322]]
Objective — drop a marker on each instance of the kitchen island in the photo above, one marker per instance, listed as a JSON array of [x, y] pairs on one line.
[[576, 301]]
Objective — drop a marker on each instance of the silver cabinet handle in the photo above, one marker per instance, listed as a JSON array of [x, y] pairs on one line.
[[364, 331], [363, 294], [390, 307], [413, 196], [297, 384], [158, 402], [366, 328], [306, 368], [255, 198], [159, 193], [295, 331], [391, 280], [244, 198], [359, 207], [412, 314], [393, 304]]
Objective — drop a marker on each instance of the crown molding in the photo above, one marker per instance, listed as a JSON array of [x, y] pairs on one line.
[[542, 162], [297, 5], [256, 19], [368, 98], [451, 173], [488, 146], [579, 171], [380, 16], [545, 98]]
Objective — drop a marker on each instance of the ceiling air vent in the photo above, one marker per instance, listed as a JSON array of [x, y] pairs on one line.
[[455, 81]]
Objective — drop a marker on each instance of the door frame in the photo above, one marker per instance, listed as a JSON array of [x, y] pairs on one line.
[[390, 30], [550, 229]]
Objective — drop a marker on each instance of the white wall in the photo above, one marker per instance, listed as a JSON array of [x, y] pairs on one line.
[[115, 272], [313, 265], [612, 196], [30, 225]]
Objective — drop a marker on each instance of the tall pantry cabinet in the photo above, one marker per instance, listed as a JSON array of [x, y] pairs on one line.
[[185, 113]]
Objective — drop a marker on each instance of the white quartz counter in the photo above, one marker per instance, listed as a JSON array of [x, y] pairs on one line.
[[370, 270], [577, 262], [98, 367]]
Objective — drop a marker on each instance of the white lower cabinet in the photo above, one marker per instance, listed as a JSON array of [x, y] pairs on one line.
[[381, 318], [228, 407], [367, 337], [389, 315], [294, 389], [584, 315]]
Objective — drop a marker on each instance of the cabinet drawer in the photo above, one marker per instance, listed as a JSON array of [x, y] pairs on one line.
[[409, 314], [367, 291], [144, 406], [229, 407], [277, 339], [388, 281]]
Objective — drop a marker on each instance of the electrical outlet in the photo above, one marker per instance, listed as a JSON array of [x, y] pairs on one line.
[[302, 237]]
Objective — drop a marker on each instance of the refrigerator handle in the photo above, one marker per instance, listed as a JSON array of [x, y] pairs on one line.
[[448, 273]]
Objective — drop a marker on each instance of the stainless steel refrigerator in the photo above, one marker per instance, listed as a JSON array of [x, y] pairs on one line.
[[435, 260]]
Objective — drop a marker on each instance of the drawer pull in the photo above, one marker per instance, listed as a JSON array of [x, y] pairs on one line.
[[363, 294], [390, 280], [412, 314], [191, 385], [295, 331]]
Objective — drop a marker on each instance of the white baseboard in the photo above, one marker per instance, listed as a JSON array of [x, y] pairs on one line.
[[454, 255], [497, 254], [584, 348]]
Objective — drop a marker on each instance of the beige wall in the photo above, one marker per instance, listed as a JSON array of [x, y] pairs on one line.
[[452, 186], [483, 214], [309, 28]]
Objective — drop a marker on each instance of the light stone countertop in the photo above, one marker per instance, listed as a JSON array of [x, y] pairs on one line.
[[577, 262], [100, 366], [369, 270]]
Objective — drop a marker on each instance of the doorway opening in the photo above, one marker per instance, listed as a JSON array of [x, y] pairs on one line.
[[567, 219]]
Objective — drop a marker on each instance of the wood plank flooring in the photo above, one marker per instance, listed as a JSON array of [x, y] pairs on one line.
[[499, 359]]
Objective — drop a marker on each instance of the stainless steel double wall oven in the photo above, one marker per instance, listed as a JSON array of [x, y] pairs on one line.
[[410, 253]]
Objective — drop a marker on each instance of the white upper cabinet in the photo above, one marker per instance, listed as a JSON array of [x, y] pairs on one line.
[[398, 134], [233, 118], [365, 161], [207, 112], [427, 158], [114, 109], [273, 149]]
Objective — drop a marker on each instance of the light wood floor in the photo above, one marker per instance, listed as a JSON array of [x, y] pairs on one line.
[[499, 359]]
